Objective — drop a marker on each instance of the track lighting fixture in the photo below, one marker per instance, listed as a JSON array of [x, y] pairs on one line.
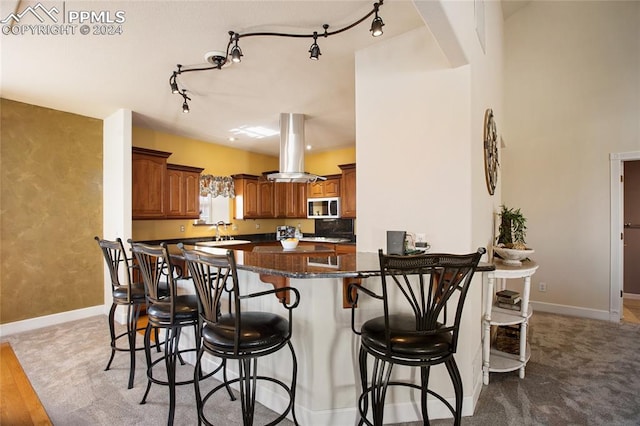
[[185, 105], [376, 24], [234, 53], [314, 50]]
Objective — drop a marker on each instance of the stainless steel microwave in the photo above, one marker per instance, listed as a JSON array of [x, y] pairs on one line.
[[323, 208]]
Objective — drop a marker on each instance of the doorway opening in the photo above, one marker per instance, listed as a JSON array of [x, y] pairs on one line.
[[617, 252]]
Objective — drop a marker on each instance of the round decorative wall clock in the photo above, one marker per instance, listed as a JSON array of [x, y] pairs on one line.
[[490, 151]]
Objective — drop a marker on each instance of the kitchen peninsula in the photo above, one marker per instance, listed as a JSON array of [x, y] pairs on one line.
[[326, 347]]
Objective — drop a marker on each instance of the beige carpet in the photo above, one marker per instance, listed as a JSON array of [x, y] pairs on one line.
[[581, 372]]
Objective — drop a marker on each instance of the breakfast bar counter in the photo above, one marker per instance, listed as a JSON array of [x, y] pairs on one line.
[[326, 347]]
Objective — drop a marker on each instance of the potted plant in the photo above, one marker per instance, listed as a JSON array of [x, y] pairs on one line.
[[511, 245]]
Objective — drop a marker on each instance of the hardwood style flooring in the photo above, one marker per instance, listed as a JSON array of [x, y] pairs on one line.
[[631, 310], [19, 404]]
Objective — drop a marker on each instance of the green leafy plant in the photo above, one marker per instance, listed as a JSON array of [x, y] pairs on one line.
[[513, 228]]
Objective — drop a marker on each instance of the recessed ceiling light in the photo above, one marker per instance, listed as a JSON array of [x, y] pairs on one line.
[[232, 139]]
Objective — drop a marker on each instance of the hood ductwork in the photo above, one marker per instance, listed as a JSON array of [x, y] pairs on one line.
[[292, 151]]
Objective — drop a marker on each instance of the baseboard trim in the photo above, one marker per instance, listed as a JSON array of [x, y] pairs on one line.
[[574, 311], [631, 296], [48, 320]]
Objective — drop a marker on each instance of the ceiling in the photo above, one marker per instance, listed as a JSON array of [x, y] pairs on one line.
[[94, 75]]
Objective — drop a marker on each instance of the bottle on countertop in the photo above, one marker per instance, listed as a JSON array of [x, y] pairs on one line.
[[298, 233]]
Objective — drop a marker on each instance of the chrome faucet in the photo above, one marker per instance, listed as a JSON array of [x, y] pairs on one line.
[[218, 237]]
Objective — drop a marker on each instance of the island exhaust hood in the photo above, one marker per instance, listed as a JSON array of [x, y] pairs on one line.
[[292, 151]]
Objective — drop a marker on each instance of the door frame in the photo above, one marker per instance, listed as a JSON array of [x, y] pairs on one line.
[[617, 228]]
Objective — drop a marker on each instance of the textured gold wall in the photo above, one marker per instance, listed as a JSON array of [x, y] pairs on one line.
[[51, 205]]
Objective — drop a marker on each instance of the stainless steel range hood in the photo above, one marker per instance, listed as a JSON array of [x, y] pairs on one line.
[[292, 151]]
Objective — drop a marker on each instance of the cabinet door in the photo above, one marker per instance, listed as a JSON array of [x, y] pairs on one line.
[[183, 192], [266, 208], [148, 183], [175, 193], [246, 201], [316, 189], [192, 195], [299, 200], [348, 200], [332, 187], [281, 198]]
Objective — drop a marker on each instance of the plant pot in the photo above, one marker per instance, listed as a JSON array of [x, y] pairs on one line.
[[512, 257]]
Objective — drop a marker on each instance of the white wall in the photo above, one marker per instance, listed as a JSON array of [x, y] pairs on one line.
[[572, 97], [419, 134]]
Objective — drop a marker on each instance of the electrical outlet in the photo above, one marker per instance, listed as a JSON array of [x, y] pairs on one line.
[[181, 228], [234, 227], [542, 287], [257, 226]]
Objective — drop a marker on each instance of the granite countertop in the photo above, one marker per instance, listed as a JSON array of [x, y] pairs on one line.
[[315, 262]]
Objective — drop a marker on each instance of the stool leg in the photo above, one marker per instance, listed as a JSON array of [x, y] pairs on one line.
[[112, 333], [379, 381], [424, 380], [133, 313], [454, 373], [247, 384], [363, 401], [171, 354], [196, 385], [147, 353], [293, 384]]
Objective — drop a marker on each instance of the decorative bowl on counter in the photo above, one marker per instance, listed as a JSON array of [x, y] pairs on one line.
[[289, 243], [512, 257]]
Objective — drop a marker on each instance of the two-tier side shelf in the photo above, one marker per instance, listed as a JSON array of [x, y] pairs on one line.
[[492, 359]]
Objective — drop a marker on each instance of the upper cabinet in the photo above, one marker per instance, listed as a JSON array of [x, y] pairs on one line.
[[290, 200], [348, 200], [258, 198], [148, 175], [325, 188], [183, 191], [161, 190]]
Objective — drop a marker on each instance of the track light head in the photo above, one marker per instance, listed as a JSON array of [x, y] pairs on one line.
[[377, 23], [314, 50], [236, 54], [174, 86], [185, 107]]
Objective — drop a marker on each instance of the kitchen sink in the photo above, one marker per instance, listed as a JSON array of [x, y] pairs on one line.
[[222, 243]]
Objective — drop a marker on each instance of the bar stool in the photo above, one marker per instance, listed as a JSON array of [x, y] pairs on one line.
[[166, 310], [124, 293], [422, 335], [239, 334]]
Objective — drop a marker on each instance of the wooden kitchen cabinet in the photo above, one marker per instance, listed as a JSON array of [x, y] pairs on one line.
[[183, 191], [290, 200], [325, 188], [246, 201], [348, 200], [266, 200], [149, 169]]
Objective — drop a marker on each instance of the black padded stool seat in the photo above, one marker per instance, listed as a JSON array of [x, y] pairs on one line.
[[405, 339], [415, 330], [185, 308], [125, 293], [239, 335], [259, 331], [136, 293]]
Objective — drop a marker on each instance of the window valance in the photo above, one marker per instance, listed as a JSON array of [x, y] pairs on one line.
[[217, 186]]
